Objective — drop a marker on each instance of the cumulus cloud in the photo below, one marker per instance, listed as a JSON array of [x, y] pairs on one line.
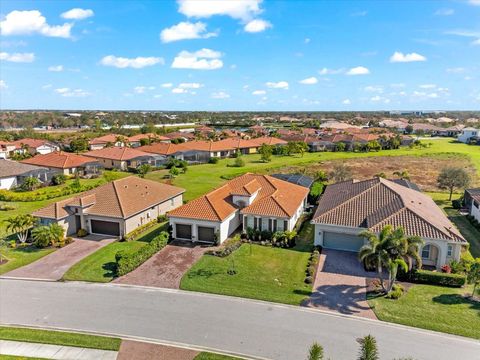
[[190, 85], [67, 92], [257, 25], [17, 57], [309, 81], [136, 63], [277, 85], [77, 14], [259, 92], [239, 9], [346, 102], [142, 89], [327, 71], [179, 91], [166, 85], [220, 95], [186, 30], [378, 98], [3, 85], [474, 2], [359, 70], [32, 22], [204, 59], [56, 68], [399, 57], [427, 86]]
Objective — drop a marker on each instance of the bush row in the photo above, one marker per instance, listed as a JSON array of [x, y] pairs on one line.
[[7, 195], [312, 266], [133, 234], [126, 262], [435, 278], [227, 248]]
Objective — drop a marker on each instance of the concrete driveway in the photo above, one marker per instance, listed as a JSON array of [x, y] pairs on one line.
[[55, 265], [166, 268], [340, 284]]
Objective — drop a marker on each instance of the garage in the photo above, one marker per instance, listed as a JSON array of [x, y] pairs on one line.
[[105, 227], [206, 234], [183, 231], [340, 241]]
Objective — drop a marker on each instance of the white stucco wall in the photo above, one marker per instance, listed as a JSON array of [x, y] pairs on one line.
[[467, 134], [8, 182], [475, 211]]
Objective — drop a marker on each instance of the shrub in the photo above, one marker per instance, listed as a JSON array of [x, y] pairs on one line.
[[213, 160], [59, 179], [6, 207], [456, 204], [239, 162], [133, 234], [437, 278], [395, 293], [82, 233], [227, 248], [7, 195], [126, 262], [68, 240], [161, 218], [309, 280]]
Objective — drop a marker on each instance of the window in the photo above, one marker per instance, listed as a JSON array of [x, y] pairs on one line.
[[172, 202], [426, 252], [148, 215], [285, 225], [270, 223], [449, 250], [275, 225], [255, 223]]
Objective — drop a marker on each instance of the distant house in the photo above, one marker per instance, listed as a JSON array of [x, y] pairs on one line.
[[348, 208], [471, 200], [253, 201], [6, 149], [467, 134], [136, 140], [116, 208], [258, 130], [66, 163], [124, 158], [106, 140], [36, 146], [184, 135], [452, 131], [12, 173]]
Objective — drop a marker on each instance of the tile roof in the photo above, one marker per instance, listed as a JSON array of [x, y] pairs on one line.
[[119, 199], [139, 137], [109, 138], [163, 148], [9, 168], [374, 203], [32, 143], [59, 159], [117, 153], [275, 198]]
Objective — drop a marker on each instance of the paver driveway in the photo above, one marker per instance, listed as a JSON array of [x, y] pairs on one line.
[[55, 265], [340, 284], [166, 268]]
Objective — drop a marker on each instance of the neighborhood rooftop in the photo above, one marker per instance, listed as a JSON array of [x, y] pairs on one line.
[[60, 159], [12, 168]]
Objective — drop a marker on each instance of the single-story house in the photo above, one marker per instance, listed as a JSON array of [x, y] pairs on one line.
[[249, 201], [451, 131], [184, 135], [468, 133], [165, 150], [124, 158], [350, 207], [6, 148], [106, 140], [13, 173], [116, 208], [37, 146], [66, 163], [136, 140]]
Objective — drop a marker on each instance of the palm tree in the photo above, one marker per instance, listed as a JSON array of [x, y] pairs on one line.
[[389, 250], [402, 174], [315, 352], [48, 235], [368, 348], [20, 225]]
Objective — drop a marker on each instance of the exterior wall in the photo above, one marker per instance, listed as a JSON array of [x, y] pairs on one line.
[[8, 183], [68, 224], [247, 200], [475, 210], [46, 149], [3, 154], [229, 225], [467, 134], [111, 164]]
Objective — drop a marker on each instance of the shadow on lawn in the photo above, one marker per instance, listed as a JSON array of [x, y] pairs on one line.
[[204, 273], [456, 299], [110, 269]]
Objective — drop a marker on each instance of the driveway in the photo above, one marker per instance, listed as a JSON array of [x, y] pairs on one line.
[[166, 268], [340, 284], [55, 265]]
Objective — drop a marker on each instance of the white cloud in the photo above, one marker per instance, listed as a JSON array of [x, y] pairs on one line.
[[3, 85], [220, 95], [239, 9], [77, 14], [186, 30], [456, 70], [374, 88], [307, 40], [277, 85], [47, 86], [190, 85], [67, 92], [359, 70], [204, 59], [259, 92], [476, 42], [346, 102], [444, 12], [179, 91], [257, 25], [17, 57], [399, 57], [326, 71], [425, 95], [378, 98], [139, 89], [56, 68], [136, 63], [474, 2], [309, 81], [427, 86], [32, 22], [466, 33], [166, 85]]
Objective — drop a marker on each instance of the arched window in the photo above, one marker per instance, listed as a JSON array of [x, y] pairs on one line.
[[426, 252]]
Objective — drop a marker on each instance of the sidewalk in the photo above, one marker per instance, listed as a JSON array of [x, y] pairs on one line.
[[56, 352]]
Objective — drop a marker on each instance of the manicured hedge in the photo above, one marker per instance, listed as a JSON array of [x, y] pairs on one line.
[[133, 234], [438, 278], [8, 195], [126, 262]]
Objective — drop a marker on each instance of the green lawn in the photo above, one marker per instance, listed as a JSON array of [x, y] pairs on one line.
[[59, 338], [263, 273], [212, 356], [12, 357], [21, 256], [100, 266], [432, 307]]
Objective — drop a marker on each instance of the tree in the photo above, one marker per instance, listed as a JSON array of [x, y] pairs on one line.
[[409, 129], [30, 183], [174, 171], [239, 162], [315, 352], [389, 250], [402, 174], [373, 145], [143, 170], [321, 176], [394, 142], [59, 179], [473, 275], [340, 172], [368, 348], [48, 235], [20, 224], [452, 178], [265, 152], [79, 144], [340, 146]]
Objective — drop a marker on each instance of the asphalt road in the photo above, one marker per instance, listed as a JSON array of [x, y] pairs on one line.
[[235, 325]]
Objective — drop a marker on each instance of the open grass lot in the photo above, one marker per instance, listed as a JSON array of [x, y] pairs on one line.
[[59, 338], [100, 266], [21, 256], [434, 308], [263, 273]]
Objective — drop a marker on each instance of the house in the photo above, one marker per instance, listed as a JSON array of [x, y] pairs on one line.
[[165, 150], [183, 135], [469, 198], [249, 201], [451, 131], [124, 158], [257, 130], [468, 133], [6, 148], [107, 140], [348, 208], [116, 208], [66, 163], [12, 173], [136, 140], [36, 146]]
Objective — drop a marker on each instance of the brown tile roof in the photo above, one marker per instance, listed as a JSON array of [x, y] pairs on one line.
[[275, 197], [109, 138], [180, 134], [374, 203], [32, 143], [119, 199], [117, 153], [163, 148], [139, 137], [10, 168], [59, 159]]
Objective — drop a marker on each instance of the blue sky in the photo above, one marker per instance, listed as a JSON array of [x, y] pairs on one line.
[[240, 55]]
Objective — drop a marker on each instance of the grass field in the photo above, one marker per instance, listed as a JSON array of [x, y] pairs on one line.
[[100, 266], [432, 307], [212, 356], [59, 338], [21, 256]]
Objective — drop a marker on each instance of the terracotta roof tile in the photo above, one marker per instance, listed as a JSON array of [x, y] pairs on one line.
[[117, 153], [59, 159]]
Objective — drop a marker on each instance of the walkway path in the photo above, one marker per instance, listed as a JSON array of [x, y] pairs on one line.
[[56, 352], [134, 350], [55, 265]]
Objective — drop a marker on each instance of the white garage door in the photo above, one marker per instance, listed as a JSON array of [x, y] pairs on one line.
[[339, 241]]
